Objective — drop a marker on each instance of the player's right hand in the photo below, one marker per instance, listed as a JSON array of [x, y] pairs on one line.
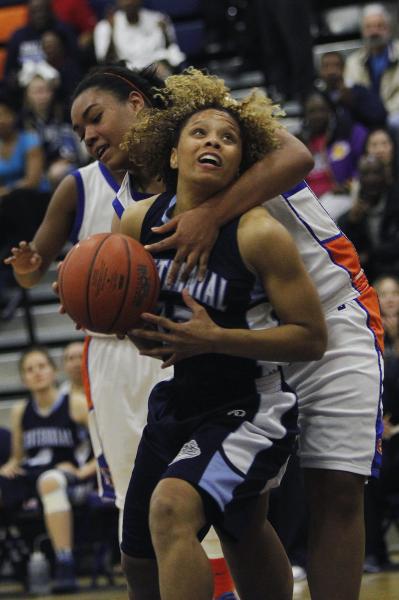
[[11, 470], [24, 259]]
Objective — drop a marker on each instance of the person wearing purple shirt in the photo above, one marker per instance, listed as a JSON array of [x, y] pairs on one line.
[[336, 145]]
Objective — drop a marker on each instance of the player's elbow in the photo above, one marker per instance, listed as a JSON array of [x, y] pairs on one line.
[[307, 161], [319, 339], [304, 161]]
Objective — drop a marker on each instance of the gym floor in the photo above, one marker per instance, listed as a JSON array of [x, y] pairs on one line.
[[381, 586]]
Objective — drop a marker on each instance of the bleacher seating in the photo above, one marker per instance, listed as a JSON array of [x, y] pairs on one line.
[[13, 15]]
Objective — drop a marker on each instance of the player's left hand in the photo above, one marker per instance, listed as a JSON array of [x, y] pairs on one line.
[[177, 341], [195, 233], [68, 467]]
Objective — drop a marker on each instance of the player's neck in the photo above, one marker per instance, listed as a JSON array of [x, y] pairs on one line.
[[151, 186], [192, 195], [46, 397], [77, 388]]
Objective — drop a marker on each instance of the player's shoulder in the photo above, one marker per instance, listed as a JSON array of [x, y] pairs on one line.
[[18, 409], [258, 221], [78, 406], [258, 228], [133, 216]]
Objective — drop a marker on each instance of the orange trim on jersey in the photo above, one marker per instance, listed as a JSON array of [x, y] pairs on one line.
[[369, 300], [85, 372], [344, 254]]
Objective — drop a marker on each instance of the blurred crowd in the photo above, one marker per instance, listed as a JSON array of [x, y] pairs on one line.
[[349, 121]]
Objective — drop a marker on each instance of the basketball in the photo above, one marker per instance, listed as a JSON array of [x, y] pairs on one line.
[[107, 281]]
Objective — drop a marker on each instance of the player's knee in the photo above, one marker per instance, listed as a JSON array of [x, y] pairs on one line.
[[164, 514], [341, 496], [175, 509], [52, 489]]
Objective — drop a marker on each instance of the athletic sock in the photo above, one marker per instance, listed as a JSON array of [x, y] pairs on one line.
[[64, 555], [222, 579]]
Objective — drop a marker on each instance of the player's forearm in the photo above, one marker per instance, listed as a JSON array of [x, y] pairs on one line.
[[276, 173], [87, 470], [285, 343]]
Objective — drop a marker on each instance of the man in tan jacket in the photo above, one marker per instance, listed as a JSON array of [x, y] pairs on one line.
[[376, 64]]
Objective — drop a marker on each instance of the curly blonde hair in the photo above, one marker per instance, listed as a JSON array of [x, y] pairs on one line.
[[156, 131]]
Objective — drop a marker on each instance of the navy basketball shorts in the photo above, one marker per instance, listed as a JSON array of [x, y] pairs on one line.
[[230, 455]]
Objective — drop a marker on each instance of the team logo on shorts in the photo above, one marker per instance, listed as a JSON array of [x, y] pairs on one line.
[[237, 412], [189, 450]]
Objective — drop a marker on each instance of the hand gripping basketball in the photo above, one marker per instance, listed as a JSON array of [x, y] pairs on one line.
[[107, 281]]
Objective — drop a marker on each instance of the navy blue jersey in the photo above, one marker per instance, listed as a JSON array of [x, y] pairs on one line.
[[228, 292], [49, 439]]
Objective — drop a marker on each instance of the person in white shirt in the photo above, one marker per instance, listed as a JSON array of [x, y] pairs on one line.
[[138, 36]]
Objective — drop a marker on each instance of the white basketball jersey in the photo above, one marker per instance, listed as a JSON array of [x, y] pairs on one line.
[[127, 195], [329, 257], [96, 191]]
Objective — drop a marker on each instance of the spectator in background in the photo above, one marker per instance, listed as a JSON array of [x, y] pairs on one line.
[[376, 65], [380, 143], [139, 36], [46, 433], [336, 146], [55, 50], [25, 44], [23, 195], [357, 103], [21, 156], [79, 15], [72, 364], [387, 287], [377, 491], [43, 114], [372, 223], [284, 46]]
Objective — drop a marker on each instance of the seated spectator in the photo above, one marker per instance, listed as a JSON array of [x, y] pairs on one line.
[[372, 223], [46, 433], [380, 143], [72, 365], [376, 64], [387, 287], [24, 193], [21, 155], [55, 49], [79, 15], [139, 36], [356, 103], [336, 147], [378, 491], [26, 43], [43, 114]]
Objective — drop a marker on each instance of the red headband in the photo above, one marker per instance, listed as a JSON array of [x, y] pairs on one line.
[[131, 84]]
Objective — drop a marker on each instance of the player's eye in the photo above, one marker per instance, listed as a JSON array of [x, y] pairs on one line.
[[97, 117], [229, 137], [198, 132]]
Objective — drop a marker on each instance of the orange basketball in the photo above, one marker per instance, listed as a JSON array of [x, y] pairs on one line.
[[107, 281]]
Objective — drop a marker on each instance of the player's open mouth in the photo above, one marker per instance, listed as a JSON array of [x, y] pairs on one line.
[[100, 151], [209, 158]]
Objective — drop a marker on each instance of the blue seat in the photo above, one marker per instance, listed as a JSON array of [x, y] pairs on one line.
[[175, 8], [190, 37], [100, 7]]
